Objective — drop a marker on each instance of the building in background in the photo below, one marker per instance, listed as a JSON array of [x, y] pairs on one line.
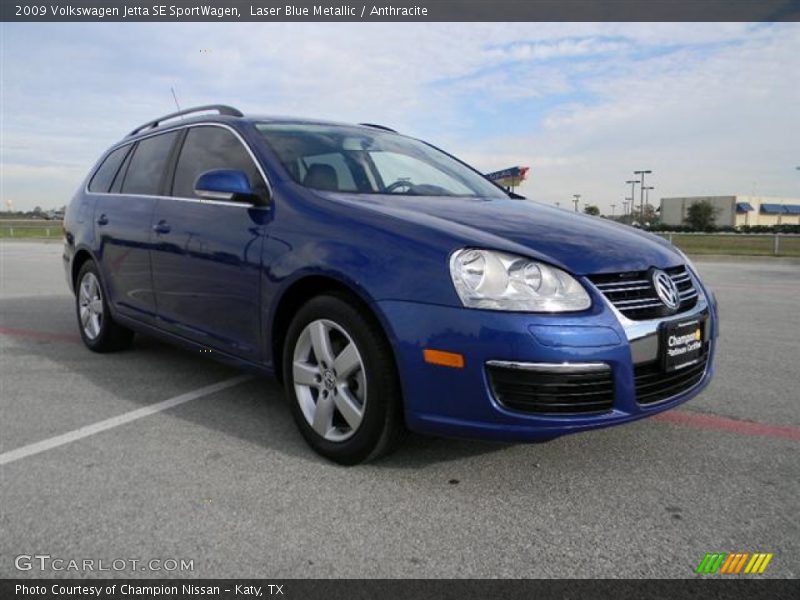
[[736, 211]]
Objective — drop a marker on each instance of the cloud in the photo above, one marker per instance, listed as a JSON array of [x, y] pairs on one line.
[[567, 48], [709, 107]]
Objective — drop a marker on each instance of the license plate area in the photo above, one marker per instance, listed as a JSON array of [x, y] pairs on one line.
[[682, 343]]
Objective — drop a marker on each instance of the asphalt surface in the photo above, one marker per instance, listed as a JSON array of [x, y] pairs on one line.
[[226, 481]]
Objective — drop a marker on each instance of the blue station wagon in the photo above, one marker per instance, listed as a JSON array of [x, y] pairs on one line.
[[387, 284]]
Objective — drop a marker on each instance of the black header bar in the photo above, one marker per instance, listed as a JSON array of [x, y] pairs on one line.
[[400, 10]]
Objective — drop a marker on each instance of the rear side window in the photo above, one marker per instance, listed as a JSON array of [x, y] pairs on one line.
[[147, 166], [116, 187], [208, 148], [101, 182]]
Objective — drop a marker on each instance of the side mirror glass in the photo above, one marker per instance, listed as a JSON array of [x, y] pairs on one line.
[[226, 184]]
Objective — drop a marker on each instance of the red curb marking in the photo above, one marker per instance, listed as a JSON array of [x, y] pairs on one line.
[[39, 335], [703, 421]]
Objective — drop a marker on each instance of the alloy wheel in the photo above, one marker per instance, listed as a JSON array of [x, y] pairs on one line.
[[90, 306], [329, 380]]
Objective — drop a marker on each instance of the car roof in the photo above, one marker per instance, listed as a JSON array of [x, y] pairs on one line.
[[230, 116]]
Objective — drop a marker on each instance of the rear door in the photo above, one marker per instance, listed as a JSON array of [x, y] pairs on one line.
[[123, 222], [207, 253]]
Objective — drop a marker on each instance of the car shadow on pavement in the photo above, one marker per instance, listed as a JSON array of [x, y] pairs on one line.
[[44, 332]]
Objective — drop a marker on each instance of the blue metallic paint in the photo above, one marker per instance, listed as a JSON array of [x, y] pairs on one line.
[[216, 277], [224, 181], [460, 402]]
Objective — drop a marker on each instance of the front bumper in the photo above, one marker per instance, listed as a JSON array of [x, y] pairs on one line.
[[460, 402]]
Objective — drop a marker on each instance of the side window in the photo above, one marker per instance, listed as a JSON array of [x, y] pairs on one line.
[[344, 178], [101, 181], [206, 148], [116, 187], [147, 166]]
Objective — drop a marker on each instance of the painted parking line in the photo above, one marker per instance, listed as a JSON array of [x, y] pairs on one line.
[[139, 413], [705, 421]]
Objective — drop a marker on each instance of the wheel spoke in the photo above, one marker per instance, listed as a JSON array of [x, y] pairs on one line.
[[323, 415], [93, 287], [321, 343], [304, 373], [347, 363], [94, 326], [85, 314], [348, 406]]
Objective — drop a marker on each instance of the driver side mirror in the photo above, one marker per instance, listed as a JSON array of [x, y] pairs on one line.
[[226, 184]]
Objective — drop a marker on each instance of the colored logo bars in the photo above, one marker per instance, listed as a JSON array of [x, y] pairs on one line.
[[734, 563]]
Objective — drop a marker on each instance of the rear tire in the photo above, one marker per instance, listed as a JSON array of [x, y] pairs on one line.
[[98, 329], [341, 382]]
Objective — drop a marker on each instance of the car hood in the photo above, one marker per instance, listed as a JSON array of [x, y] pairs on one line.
[[579, 243]]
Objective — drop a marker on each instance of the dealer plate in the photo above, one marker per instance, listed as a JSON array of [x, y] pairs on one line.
[[682, 343]]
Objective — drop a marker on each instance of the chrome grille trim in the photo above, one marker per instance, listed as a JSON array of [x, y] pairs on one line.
[[550, 367], [633, 296], [623, 289], [625, 284], [637, 301]]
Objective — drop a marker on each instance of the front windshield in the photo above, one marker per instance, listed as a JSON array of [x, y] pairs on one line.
[[362, 161]]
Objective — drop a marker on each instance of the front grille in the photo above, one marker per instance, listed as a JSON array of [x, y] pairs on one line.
[[654, 385], [635, 297], [545, 392]]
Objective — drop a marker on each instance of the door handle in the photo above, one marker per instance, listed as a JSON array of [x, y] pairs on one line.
[[162, 227], [102, 220]]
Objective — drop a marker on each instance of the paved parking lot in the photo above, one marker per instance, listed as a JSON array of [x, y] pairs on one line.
[[225, 480]]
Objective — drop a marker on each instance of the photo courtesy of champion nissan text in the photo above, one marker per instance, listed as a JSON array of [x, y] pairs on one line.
[[388, 285]]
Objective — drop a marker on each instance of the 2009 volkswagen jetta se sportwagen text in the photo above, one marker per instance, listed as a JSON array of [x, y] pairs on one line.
[[387, 284]]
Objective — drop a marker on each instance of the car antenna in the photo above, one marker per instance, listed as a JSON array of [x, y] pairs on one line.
[[175, 97]]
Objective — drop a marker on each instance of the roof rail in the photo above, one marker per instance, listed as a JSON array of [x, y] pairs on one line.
[[374, 126], [220, 108]]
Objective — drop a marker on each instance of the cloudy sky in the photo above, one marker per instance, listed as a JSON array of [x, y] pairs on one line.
[[710, 108]]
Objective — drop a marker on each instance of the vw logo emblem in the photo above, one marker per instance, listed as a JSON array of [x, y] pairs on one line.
[[329, 380], [666, 289]]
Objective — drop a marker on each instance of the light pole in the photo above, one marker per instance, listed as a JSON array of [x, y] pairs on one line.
[[647, 194], [625, 207], [613, 207], [647, 198], [577, 198], [633, 183], [641, 191]]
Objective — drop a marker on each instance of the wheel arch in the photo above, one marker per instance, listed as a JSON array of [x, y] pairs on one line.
[[82, 255], [303, 289]]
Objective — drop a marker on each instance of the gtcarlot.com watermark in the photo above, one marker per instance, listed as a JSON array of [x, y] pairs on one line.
[[46, 562]]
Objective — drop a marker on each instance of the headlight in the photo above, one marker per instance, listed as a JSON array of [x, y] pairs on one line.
[[500, 281]]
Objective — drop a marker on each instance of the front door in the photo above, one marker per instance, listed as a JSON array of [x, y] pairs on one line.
[[207, 254]]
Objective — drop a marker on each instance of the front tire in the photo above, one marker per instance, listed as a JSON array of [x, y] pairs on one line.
[[341, 382], [98, 329]]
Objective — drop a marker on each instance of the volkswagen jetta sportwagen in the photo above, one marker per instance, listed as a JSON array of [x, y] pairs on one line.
[[389, 285]]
